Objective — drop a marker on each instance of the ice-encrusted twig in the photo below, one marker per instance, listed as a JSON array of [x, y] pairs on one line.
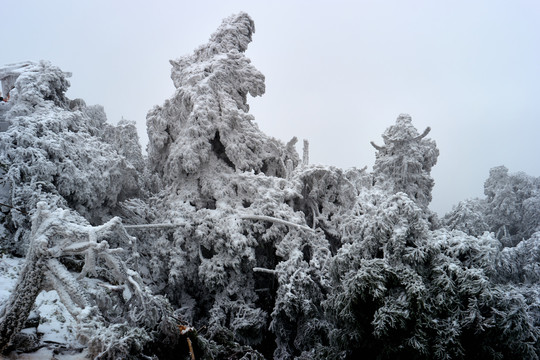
[[424, 134], [15, 208]]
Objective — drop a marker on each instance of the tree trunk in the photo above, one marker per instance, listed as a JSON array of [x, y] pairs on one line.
[[19, 304]]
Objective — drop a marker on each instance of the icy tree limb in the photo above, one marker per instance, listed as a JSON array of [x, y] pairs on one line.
[[377, 147], [424, 134], [387, 140], [15, 208], [276, 220]]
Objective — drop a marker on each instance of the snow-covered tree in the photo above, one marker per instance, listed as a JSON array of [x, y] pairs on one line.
[[400, 290], [207, 119], [468, 216], [231, 234], [404, 162], [230, 184], [512, 205], [62, 155]]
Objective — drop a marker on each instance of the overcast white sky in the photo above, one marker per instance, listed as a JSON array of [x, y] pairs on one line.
[[337, 72]]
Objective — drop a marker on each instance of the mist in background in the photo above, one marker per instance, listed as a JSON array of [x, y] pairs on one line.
[[337, 73]]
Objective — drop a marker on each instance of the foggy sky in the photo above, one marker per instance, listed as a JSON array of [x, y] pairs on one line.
[[338, 73]]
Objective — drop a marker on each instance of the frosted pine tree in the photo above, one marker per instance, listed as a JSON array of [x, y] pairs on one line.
[[512, 205], [404, 162], [468, 216], [232, 187], [62, 162], [207, 119]]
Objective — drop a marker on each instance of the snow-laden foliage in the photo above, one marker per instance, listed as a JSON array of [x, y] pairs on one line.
[[218, 266], [511, 208], [467, 216], [404, 162], [400, 290], [69, 157], [520, 264], [513, 205]]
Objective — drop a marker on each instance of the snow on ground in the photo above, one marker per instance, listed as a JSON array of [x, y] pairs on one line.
[[9, 271], [45, 354], [55, 327]]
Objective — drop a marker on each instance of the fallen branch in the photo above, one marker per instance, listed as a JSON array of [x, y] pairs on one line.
[[56, 233]]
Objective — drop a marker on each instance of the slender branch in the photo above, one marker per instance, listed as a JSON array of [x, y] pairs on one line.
[[112, 287], [276, 220]]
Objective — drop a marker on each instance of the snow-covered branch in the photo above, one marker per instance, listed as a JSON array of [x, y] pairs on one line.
[[276, 220], [424, 134]]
